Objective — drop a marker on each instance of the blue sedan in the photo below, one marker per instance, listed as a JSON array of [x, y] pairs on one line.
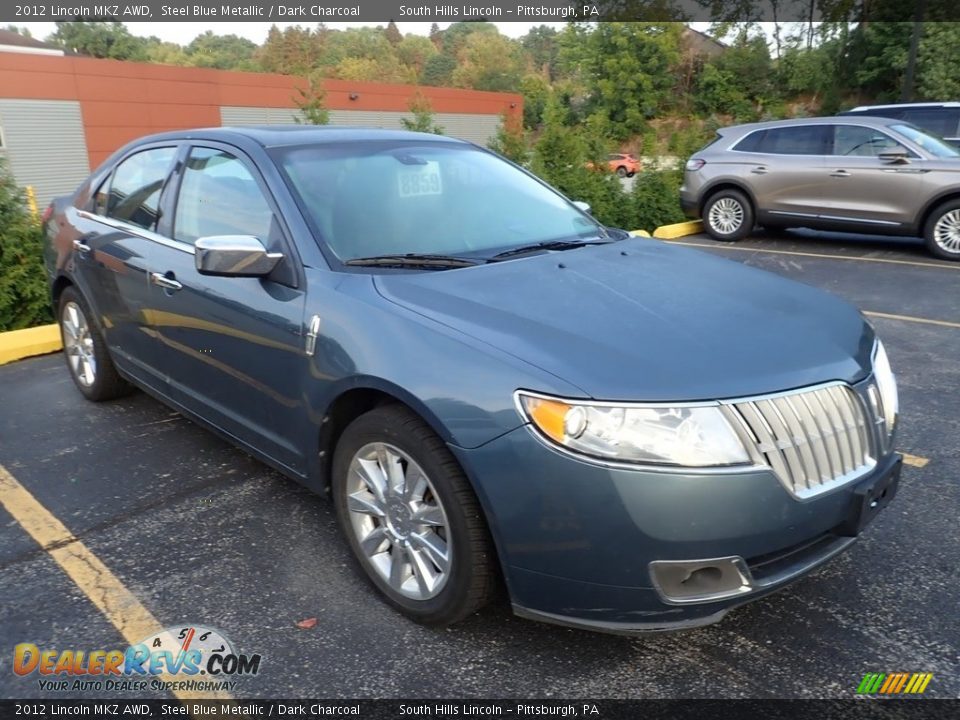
[[500, 393]]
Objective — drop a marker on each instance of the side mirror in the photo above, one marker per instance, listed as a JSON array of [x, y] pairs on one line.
[[897, 155], [234, 255], [582, 206]]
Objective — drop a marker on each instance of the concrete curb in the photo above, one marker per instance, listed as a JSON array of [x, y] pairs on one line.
[[677, 230], [19, 344]]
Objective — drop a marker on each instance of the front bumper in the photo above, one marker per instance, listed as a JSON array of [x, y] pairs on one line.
[[576, 539]]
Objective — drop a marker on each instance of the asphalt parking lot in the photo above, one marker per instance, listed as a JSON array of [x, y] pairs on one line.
[[199, 532]]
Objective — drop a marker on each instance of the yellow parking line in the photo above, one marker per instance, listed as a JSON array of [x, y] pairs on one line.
[[722, 246], [914, 460], [911, 318], [102, 587]]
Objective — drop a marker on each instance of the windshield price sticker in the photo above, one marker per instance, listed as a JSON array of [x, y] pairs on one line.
[[421, 180]]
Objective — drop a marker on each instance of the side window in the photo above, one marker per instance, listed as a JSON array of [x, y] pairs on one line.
[[859, 141], [752, 142], [794, 140], [941, 121], [219, 196], [135, 189], [101, 196]]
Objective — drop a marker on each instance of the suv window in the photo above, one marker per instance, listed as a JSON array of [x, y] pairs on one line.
[[135, 188], [860, 141], [793, 140], [942, 121], [219, 196]]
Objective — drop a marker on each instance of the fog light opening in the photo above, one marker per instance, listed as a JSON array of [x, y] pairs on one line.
[[704, 579]]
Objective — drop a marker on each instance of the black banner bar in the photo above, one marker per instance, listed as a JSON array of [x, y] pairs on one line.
[[374, 11], [866, 708]]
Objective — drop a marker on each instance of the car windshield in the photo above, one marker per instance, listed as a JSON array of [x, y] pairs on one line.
[[931, 143], [398, 197]]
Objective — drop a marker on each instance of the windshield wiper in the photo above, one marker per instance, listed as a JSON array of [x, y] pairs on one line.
[[548, 245], [420, 260]]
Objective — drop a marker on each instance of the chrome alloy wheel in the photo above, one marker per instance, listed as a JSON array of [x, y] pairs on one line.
[[78, 344], [398, 521], [946, 233], [726, 216]]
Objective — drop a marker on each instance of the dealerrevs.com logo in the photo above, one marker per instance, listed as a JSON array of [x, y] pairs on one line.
[[189, 657]]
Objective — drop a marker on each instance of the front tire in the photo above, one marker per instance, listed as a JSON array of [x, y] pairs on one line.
[[728, 216], [411, 517], [621, 172], [942, 231], [85, 351]]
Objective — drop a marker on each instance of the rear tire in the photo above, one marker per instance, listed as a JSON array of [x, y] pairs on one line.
[[411, 518], [621, 172], [728, 216], [85, 351], [942, 231]]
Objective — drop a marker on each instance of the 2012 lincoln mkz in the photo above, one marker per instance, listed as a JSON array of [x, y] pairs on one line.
[[499, 393]]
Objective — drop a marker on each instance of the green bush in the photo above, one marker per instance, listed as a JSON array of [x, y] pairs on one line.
[[655, 199], [24, 297]]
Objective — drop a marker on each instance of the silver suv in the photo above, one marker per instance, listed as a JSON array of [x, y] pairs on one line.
[[852, 174]]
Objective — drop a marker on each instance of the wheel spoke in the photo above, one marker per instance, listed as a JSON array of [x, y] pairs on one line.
[[88, 373], [365, 503], [392, 469], [374, 541], [369, 471], [435, 548], [426, 577], [415, 484], [398, 563], [428, 515]]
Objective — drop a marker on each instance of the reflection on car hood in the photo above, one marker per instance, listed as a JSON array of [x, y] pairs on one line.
[[657, 323]]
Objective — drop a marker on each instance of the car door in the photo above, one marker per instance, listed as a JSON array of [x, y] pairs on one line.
[[234, 349], [783, 167], [864, 188], [118, 236]]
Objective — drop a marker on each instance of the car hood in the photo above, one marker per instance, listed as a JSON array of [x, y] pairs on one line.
[[641, 320]]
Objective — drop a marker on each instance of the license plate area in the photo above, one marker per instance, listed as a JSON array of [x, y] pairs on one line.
[[870, 497]]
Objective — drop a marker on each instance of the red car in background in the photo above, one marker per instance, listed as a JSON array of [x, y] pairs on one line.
[[623, 164]]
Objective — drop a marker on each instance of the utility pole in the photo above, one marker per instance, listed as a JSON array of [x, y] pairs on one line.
[[906, 94]]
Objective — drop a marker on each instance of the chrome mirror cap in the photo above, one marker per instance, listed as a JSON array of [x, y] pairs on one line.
[[234, 255]]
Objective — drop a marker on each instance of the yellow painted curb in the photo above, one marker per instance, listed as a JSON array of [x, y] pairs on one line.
[[18, 344], [639, 233], [669, 232]]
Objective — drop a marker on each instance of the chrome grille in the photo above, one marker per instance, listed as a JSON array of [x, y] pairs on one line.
[[813, 439]]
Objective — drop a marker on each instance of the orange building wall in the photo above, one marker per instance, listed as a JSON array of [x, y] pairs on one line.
[[121, 101]]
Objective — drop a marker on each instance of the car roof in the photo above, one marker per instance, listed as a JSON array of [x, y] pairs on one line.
[[279, 135], [867, 108], [832, 120]]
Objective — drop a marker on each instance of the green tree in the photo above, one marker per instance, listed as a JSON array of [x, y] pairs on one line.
[[24, 296], [438, 70], [24, 31], [542, 47], [99, 39], [224, 52], [488, 61], [624, 68], [414, 51], [312, 101], [422, 120], [938, 66], [535, 92], [392, 33], [510, 140], [294, 50]]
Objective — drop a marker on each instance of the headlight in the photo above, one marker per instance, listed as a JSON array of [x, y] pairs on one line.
[[886, 385], [681, 436]]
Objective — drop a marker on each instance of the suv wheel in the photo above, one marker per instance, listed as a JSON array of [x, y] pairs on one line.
[[411, 517], [621, 172], [86, 352], [728, 216], [942, 232]]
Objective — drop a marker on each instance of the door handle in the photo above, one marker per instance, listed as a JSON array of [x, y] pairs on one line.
[[167, 283], [840, 173], [759, 170], [80, 246]]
